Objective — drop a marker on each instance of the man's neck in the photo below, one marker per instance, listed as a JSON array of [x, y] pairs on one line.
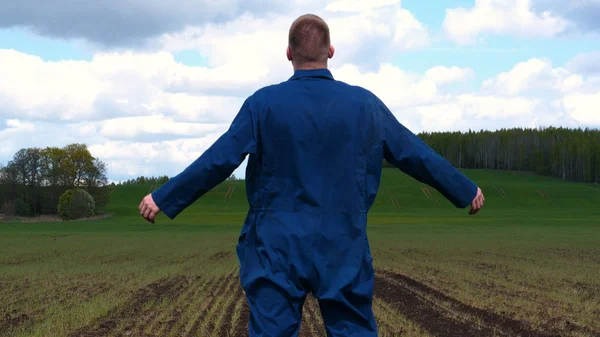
[[310, 66]]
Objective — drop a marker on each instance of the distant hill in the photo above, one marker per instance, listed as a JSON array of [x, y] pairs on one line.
[[399, 193]]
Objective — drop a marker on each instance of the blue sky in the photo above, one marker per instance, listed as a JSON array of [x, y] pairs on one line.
[[149, 93]]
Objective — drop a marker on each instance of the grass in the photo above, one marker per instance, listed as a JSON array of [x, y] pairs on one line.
[[531, 255]]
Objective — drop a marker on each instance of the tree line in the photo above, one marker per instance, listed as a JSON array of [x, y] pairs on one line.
[[32, 182], [158, 181], [142, 180], [567, 154]]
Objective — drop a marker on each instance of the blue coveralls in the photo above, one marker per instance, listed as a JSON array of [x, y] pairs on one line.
[[315, 149]]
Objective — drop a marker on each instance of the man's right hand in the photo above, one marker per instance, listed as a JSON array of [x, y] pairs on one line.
[[148, 208], [477, 203]]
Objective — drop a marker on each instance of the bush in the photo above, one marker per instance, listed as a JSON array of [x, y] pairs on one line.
[[76, 204]]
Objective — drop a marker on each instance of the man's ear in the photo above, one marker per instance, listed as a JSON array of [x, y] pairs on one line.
[[331, 51], [289, 53]]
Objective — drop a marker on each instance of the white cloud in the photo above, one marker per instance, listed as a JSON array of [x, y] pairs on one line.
[[439, 117], [364, 38], [571, 98], [178, 151], [514, 17], [586, 63], [134, 127], [421, 101], [115, 85], [447, 75], [358, 5], [10, 136], [131, 158], [37, 89], [395, 87], [582, 15], [534, 74], [370, 38], [23, 134], [496, 107], [476, 112], [531, 94], [584, 108], [409, 32], [17, 125], [525, 75]]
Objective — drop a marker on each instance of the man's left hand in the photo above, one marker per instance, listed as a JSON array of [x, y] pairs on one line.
[[148, 208]]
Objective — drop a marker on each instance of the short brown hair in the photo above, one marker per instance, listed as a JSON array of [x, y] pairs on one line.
[[309, 39]]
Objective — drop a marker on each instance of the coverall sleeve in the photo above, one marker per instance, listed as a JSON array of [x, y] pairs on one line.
[[406, 151], [213, 167]]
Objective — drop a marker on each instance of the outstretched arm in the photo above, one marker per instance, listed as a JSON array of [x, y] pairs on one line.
[[213, 167], [409, 153]]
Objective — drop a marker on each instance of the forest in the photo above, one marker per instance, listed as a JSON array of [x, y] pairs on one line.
[[567, 154]]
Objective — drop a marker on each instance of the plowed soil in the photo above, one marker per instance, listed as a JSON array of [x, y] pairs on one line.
[[441, 315], [187, 306]]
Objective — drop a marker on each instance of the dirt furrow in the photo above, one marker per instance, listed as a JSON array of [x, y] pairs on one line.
[[68, 292], [226, 320], [241, 326], [384, 328], [131, 312], [207, 288], [139, 323], [221, 311], [173, 315], [186, 258], [209, 300], [220, 256], [209, 307], [422, 305], [233, 312], [13, 320], [150, 319], [181, 312]]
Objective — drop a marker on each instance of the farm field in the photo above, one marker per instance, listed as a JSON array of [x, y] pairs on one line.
[[527, 265]]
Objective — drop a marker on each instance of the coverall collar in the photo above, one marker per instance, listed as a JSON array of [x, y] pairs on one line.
[[323, 73]]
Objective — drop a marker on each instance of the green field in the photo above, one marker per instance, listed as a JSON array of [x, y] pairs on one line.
[[527, 265]]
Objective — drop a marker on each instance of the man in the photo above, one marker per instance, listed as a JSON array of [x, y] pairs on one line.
[[315, 149]]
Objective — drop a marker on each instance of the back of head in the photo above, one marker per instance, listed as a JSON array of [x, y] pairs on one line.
[[309, 40]]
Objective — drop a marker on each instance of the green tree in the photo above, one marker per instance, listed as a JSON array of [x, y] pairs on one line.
[[94, 174], [53, 160], [78, 159], [17, 167]]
